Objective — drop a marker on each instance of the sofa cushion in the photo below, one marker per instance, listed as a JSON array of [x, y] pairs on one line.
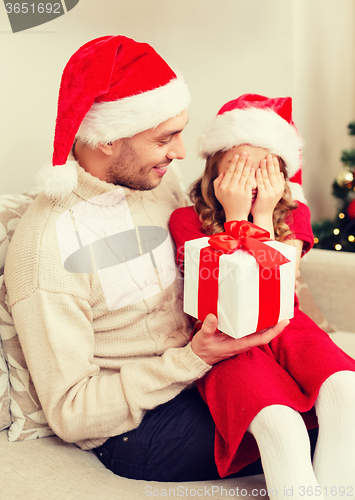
[[53, 470], [5, 418], [28, 420], [12, 208], [346, 341], [331, 276], [310, 307]]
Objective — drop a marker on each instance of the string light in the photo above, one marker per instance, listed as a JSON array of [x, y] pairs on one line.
[[351, 238], [341, 215], [336, 231], [338, 247], [316, 240]]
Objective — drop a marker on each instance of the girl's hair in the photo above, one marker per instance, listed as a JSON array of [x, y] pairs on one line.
[[211, 212]]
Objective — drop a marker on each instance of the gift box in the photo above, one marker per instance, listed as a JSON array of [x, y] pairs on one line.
[[241, 276]]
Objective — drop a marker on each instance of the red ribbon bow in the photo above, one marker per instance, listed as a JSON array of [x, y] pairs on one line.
[[246, 235]]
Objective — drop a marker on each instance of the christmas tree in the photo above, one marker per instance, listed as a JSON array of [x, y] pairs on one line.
[[339, 233]]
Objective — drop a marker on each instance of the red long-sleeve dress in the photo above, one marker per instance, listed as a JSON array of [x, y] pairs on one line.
[[288, 371]]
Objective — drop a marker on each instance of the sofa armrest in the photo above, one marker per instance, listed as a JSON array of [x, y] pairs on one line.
[[330, 276]]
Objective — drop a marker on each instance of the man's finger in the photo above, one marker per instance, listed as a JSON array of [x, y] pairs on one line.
[[275, 330], [265, 336]]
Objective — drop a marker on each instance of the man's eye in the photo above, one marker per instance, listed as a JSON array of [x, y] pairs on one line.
[[165, 141]]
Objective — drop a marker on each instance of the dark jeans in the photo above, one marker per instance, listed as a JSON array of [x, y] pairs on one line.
[[174, 442]]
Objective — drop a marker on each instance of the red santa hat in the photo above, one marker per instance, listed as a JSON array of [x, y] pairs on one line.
[[113, 87], [259, 121]]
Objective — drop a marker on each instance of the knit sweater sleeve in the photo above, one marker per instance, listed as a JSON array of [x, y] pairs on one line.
[[82, 400]]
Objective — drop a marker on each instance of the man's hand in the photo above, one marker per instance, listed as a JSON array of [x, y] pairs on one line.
[[213, 346]]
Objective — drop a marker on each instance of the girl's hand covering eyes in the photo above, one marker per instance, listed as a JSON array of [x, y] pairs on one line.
[[233, 189], [270, 183]]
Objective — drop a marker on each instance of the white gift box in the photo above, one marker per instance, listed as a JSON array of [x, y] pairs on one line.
[[238, 287]]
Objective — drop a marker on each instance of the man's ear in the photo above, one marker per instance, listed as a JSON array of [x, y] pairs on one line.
[[111, 147]]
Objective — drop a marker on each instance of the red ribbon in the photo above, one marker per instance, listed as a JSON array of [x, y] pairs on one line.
[[243, 234], [248, 236]]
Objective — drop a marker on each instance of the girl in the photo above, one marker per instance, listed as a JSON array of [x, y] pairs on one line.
[[263, 400]]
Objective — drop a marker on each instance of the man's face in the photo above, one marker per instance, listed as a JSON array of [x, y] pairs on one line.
[[141, 161]]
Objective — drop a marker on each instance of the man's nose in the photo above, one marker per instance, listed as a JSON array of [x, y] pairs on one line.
[[177, 150]]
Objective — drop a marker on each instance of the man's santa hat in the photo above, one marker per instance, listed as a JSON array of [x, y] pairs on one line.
[[113, 87], [259, 121]]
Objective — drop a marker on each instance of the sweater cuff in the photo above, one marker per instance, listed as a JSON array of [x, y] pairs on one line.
[[193, 363]]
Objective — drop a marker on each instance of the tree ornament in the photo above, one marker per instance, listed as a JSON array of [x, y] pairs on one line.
[[344, 178], [351, 210]]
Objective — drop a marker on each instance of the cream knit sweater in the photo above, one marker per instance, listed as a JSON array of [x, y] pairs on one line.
[[98, 365]]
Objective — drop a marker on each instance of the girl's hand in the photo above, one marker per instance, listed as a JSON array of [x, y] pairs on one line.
[[233, 189], [270, 182]]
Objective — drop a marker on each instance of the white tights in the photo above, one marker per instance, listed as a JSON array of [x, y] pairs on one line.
[[285, 449]]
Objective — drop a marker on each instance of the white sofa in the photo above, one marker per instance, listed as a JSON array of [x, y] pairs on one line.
[[330, 276], [49, 469]]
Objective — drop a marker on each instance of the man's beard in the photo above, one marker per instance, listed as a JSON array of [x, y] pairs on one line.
[[127, 170]]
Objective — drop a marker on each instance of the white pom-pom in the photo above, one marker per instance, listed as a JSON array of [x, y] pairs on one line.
[[59, 181]]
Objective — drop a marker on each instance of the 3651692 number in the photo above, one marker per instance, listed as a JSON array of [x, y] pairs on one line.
[[41, 8]]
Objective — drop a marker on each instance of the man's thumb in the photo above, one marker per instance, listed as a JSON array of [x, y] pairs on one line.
[[210, 324]]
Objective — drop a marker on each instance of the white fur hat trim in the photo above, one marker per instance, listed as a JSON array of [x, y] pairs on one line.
[[297, 192], [258, 127], [108, 121]]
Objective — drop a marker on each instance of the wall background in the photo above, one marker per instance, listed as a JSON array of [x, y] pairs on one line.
[[301, 48]]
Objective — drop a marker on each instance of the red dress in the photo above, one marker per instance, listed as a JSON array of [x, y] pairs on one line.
[[288, 371]]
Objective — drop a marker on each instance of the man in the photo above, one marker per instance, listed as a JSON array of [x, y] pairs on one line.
[[108, 347]]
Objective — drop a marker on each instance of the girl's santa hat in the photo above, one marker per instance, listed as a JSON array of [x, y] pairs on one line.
[[259, 121], [113, 87]]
